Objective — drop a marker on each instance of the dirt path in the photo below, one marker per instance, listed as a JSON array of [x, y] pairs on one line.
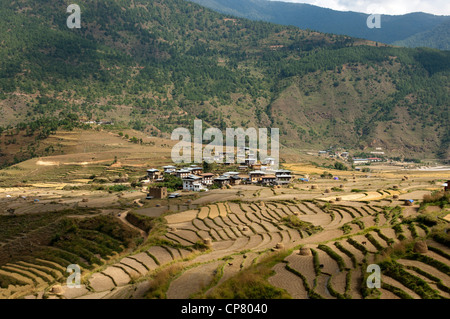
[[123, 219]]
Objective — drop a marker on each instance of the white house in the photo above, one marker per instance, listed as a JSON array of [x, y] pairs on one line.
[[193, 183]]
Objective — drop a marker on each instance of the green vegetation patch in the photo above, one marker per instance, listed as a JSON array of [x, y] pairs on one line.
[[252, 283], [294, 222]]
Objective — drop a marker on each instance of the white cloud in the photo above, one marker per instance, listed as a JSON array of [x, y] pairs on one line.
[[392, 7]]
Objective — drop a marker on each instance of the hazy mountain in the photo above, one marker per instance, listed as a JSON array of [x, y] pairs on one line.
[[437, 37], [409, 29], [158, 65]]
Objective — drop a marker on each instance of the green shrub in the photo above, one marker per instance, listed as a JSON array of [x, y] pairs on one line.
[[333, 255]]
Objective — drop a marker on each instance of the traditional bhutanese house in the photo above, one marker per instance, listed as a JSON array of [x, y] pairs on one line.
[[284, 179], [269, 161], [256, 166], [283, 176], [222, 181], [196, 170], [183, 173], [230, 173], [282, 172], [207, 178], [256, 176], [250, 161], [191, 182], [360, 160], [235, 179], [169, 169], [268, 179], [153, 174]]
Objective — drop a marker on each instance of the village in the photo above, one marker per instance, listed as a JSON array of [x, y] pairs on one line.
[[198, 179]]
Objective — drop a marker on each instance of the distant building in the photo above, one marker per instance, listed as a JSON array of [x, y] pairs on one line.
[[158, 192], [207, 178], [193, 183], [447, 186], [231, 173], [183, 173], [222, 181], [256, 166], [256, 176], [196, 170], [268, 179], [323, 152], [235, 179], [360, 160], [283, 176], [154, 174], [374, 159], [169, 169]]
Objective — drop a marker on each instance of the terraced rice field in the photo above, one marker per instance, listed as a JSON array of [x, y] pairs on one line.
[[342, 238]]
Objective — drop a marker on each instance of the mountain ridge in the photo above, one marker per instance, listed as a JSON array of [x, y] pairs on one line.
[[394, 28], [157, 65]]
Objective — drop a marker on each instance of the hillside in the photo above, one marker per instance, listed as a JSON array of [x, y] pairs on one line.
[[157, 65], [394, 29], [436, 37]]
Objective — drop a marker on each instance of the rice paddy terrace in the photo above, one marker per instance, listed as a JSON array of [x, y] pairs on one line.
[[304, 248]]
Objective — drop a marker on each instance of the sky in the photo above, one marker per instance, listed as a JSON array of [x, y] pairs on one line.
[[391, 7]]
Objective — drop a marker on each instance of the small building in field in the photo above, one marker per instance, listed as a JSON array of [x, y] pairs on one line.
[[222, 181], [158, 192], [447, 186], [207, 178], [154, 174]]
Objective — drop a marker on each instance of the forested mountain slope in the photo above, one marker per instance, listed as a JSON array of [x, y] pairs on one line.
[[158, 65]]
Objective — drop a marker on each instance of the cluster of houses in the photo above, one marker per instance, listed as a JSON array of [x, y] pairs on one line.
[[366, 160], [346, 156], [194, 179]]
